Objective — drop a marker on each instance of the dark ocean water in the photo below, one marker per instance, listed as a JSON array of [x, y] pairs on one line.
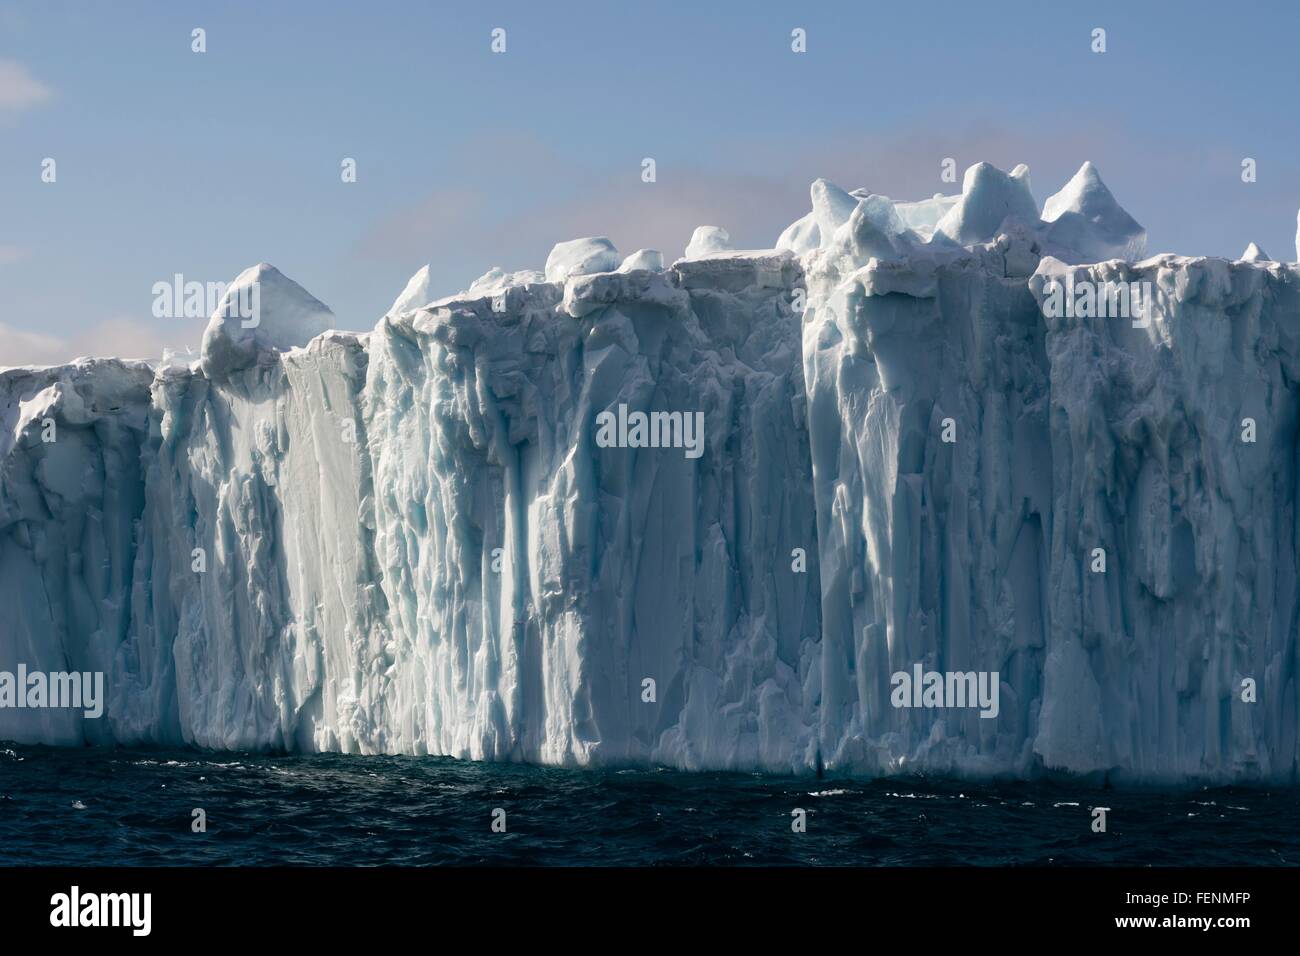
[[101, 807]]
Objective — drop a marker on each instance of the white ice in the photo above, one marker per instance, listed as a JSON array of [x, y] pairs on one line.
[[280, 315], [579, 257]]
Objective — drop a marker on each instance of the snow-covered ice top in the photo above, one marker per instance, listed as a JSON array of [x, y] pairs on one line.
[[496, 281], [988, 198], [1081, 223], [263, 309], [416, 294], [707, 240], [651, 259], [1087, 222], [579, 257]]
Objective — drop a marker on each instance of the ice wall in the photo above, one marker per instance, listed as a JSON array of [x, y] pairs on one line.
[[971, 451], [411, 542], [537, 580], [71, 490], [415, 540], [1175, 450], [257, 622], [933, 551]]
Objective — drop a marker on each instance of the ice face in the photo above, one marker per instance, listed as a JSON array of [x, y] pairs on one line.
[[894, 448], [1176, 436], [71, 488], [415, 543], [257, 610], [537, 580]]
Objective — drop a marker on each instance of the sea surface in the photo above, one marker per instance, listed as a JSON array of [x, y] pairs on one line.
[[118, 807]]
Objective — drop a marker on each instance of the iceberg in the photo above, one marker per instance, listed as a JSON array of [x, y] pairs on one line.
[[706, 515]]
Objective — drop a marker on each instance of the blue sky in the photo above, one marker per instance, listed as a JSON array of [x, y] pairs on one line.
[[202, 164]]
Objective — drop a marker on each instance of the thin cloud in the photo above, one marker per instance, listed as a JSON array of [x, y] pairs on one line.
[[19, 89], [753, 189], [21, 347], [117, 337], [507, 202]]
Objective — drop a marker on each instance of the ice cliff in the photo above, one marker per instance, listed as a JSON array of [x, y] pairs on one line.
[[421, 539]]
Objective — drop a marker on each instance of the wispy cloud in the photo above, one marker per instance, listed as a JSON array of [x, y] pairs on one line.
[[19, 89], [23, 347], [9, 254], [120, 337], [753, 189]]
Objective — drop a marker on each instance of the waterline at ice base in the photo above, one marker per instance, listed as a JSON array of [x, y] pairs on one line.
[[711, 515]]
